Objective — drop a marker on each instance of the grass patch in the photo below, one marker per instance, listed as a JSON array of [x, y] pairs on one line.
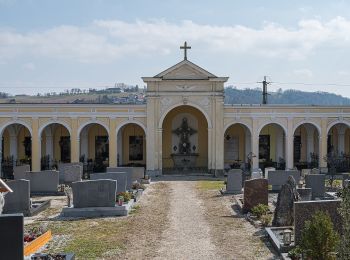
[[90, 238], [135, 209], [210, 185]]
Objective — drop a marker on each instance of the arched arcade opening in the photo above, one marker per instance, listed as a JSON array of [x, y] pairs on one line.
[[185, 141]]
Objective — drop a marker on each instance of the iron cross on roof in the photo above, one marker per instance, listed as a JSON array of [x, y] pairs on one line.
[[185, 47]]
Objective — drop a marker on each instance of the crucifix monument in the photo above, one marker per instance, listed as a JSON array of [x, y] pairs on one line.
[[184, 156]]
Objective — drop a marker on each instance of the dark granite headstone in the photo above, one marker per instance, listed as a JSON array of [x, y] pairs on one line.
[[284, 208], [304, 210], [11, 236], [317, 183], [97, 193], [305, 194], [255, 192], [18, 201]]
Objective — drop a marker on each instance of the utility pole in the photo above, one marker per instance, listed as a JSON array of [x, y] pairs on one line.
[[264, 94]]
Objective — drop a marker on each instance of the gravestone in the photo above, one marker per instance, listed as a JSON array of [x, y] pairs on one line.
[[304, 210], [284, 208], [72, 173], [279, 177], [305, 171], [120, 177], [317, 183], [138, 173], [315, 171], [255, 192], [94, 193], [11, 236], [18, 201], [19, 171], [127, 170], [61, 166], [346, 176], [305, 194], [43, 182], [267, 171], [234, 181], [256, 174]]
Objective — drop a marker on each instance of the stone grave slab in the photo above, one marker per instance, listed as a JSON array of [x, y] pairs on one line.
[[315, 171], [267, 170], [11, 238], [18, 201], [255, 192], [234, 181], [304, 210], [120, 177], [138, 173], [129, 172], [45, 182], [277, 178], [305, 194], [19, 171], [94, 193], [61, 166], [72, 173], [317, 183]]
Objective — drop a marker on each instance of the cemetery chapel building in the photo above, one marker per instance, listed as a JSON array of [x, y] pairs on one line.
[[183, 126]]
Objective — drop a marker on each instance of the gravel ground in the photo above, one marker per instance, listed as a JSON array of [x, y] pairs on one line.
[[188, 233]]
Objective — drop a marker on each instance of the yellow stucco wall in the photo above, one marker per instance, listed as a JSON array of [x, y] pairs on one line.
[[202, 149]]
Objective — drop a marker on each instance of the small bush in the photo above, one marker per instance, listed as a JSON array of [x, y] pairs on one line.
[[266, 219], [126, 196], [319, 240], [137, 186], [260, 210], [295, 253]]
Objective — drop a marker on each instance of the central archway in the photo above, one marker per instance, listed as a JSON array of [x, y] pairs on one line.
[[185, 141]]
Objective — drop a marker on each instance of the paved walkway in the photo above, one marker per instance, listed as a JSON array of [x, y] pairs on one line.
[[188, 234]]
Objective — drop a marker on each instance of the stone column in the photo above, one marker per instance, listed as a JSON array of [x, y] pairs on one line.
[[112, 143], [218, 117], [210, 150], [289, 145], [84, 143], [74, 141], [341, 138], [323, 143], [279, 144], [248, 144], [310, 131], [160, 149], [151, 151], [36, 146], [14, 145], [255, 143]]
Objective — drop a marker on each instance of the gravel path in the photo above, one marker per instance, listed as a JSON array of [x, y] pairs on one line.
[[188, 234]]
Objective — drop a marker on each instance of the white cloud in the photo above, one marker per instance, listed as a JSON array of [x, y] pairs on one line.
[[108, 40], [304, 73]]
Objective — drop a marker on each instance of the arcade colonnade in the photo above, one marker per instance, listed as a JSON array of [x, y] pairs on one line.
[[292, 140], [184, 121]]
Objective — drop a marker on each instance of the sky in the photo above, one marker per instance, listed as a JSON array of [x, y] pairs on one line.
[[50, 46]]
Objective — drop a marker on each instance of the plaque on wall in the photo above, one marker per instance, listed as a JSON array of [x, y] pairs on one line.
[[264, 147], [135, 148], [101, 148], [231, 148], [65, 148]]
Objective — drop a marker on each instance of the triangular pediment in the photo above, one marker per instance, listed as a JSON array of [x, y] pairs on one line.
[[185, 70]]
